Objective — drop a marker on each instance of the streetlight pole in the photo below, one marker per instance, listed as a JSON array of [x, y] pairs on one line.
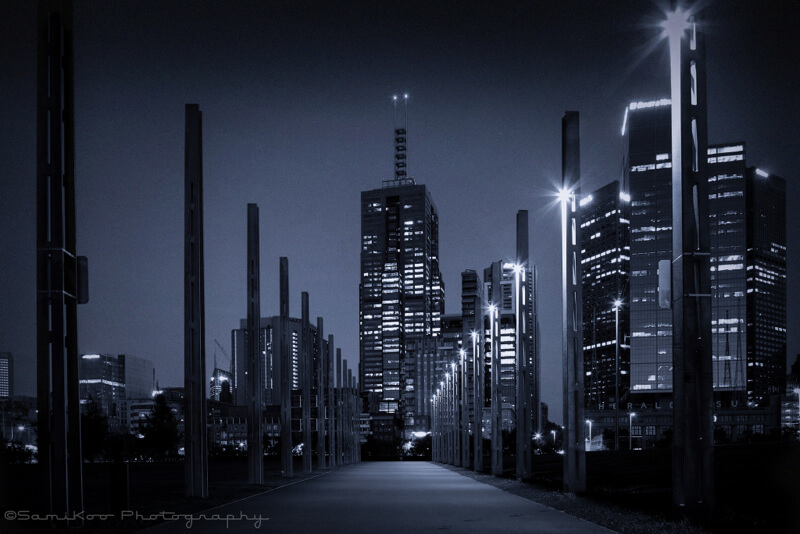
[[630, 430], [477, 400], [464, 410], [616, 375], [589, 422]]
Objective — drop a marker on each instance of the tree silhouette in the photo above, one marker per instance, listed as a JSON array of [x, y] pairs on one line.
[[94, 431], [160, 432]]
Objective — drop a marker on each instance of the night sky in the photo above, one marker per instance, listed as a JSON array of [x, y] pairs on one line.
[[297, 117]]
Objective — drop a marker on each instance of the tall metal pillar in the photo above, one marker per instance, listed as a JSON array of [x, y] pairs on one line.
[[322, 363], [464, 408], [497, 400], [306, 374], [255, 389], [351, 418], [536, 396], [339, 409], [571, 297], [693, 408], [196, 450], [57, 266], [332, 416], [523, 407], [286, 365], [477, 386]]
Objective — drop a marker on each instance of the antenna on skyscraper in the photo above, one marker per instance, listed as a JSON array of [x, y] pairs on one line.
[[400, 147]]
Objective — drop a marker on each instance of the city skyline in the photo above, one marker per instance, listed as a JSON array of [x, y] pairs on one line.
[[297, 117]]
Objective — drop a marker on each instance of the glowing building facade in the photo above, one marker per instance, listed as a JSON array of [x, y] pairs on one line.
[[6, 376], [498, 287], [747, 211], [401, 289], [605, 231]]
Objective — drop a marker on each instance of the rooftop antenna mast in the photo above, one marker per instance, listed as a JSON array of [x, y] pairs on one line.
[[400, 147]]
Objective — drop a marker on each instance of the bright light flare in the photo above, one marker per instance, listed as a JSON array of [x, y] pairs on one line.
[[676, 24], [564, 195]]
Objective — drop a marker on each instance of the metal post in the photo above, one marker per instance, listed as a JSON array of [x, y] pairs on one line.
[[464, 407], [339, 408], [497, 404], [536, 369], [322, 357], [56, 265], [195, 447], [572, 320], [523, 402], [616, 378], [286, 364], [332, 415], [692, 458], [477, 392], [255, 388], [306, 373]]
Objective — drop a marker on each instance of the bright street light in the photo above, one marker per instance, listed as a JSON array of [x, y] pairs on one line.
[[617, 306], [589, 422], [630, 431]]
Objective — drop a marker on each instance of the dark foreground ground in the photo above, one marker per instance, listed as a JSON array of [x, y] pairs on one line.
[[757, 490]]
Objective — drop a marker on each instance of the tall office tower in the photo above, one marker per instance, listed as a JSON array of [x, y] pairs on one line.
[[747, 211], [605, 231], [401, 289], [6, 376], [503, 296], [648, 129], [728, 222], [766, 285], [269, 331], [112, 381], [471, 325]]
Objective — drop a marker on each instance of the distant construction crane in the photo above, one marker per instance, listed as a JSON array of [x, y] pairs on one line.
[[230, 361]]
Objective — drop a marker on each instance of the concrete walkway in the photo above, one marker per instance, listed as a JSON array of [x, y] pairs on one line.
[[384, 497]]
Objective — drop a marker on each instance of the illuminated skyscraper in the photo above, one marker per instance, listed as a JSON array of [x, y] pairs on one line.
[[499, 291], [605, 231], [401, 289], [6, 376], [747, 211], [648, 127], [766, 285]]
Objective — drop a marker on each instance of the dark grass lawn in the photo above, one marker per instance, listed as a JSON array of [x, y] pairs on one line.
[[757, 489]]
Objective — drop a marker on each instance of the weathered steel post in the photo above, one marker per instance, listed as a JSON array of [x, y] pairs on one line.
[[306, 373], [195, 446], [255, 388], [286, 364], [322, 362], [58, 268], [693, 408], [521, 298], [571, 298]]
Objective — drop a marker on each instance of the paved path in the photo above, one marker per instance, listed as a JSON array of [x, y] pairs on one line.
[[384, 498]]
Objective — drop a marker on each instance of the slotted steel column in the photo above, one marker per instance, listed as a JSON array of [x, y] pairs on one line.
[[321, 366], [57, 297], [332, 415], [497, 403], [255, 388], [306, 372], [195, 447], [286, 364], [693, 408], [523, 407], [572, 320]]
